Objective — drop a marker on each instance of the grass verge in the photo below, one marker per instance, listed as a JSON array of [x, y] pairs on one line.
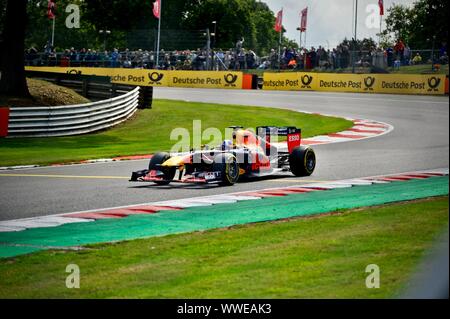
[[319, 257], [149, 131]]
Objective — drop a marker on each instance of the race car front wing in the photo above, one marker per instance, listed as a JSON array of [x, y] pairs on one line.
[[195, 177]]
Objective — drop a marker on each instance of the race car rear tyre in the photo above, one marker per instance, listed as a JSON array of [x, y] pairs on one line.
[[228, 166], [302, 161], [158, 159]]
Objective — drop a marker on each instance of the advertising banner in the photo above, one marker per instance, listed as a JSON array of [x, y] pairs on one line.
[[356, 83], [145, 77], [426, 84], [206, 79], [290, 81]]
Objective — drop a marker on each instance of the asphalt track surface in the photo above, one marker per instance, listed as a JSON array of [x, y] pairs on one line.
[[420, 141]]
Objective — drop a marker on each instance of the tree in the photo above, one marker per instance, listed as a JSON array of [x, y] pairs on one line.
[[12, 78], [133, 26], [366, 44], [40, 27], [417, 25]]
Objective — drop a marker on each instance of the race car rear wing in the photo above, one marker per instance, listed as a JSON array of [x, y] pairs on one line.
[[265, 134], [294, 135]]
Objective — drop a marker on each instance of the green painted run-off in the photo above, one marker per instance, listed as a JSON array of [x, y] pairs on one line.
[[217, 216]]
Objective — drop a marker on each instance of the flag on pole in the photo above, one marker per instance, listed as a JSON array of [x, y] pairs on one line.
[[279, 22], [157, 9], [51, 9], [381, 4], [304, 21]]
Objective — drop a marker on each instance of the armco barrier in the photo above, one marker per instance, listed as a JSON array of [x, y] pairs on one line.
[[4, 118], [71, 119]]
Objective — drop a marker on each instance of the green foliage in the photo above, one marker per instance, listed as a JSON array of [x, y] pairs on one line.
[[132, 24], [323, 257], [39, 28], [417, 25], [366, 44], [235, 19]]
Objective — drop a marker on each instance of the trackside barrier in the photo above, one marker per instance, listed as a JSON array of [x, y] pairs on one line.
[[156, 78], [250, 82], [4, 118], [71, 119], [427, 84]]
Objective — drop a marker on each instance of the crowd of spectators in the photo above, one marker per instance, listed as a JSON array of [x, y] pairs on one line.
[[342, 57], [238, 58], [232, 59]]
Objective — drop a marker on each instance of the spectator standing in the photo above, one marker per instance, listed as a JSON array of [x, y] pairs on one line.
[[399, 49], [115, 58], [417, 59], [251, 59], [241, 60], [407, 55]]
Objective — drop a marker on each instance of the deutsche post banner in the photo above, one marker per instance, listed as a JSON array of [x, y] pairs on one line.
[[290, 81], [430, 84], [359, 83], [145, 77], [206, 79]]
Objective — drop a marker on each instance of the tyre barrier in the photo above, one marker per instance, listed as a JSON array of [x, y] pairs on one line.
[[71, 119]]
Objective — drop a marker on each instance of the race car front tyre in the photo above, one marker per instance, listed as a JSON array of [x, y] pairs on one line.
[[302, 161], [228, 166], [169, 173]]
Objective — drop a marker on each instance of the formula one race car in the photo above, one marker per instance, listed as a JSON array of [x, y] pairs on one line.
[[247, 155]]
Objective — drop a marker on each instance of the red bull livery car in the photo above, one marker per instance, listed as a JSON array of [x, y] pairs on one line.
[[247, 155]]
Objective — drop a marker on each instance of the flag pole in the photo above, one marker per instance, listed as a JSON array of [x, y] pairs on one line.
[[159, 34], [53, 32], [279, 51], [279, 44], [381, 30]]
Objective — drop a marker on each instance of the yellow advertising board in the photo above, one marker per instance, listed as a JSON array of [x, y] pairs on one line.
[[69, 70], [359, 83], [290, 81], [145, 77], [141, 77], [430, 84], [345, 83], [297, 81], [206, 79]]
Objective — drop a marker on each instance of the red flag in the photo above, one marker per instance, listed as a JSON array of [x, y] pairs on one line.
[[157, 9], [381, 4], [51, 9], [304, 22], [279, 22]]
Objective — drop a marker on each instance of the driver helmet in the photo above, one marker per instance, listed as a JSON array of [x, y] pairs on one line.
[[227, 145]]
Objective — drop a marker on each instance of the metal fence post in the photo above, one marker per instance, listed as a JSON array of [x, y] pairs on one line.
[[145, 97], [85, 87]]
